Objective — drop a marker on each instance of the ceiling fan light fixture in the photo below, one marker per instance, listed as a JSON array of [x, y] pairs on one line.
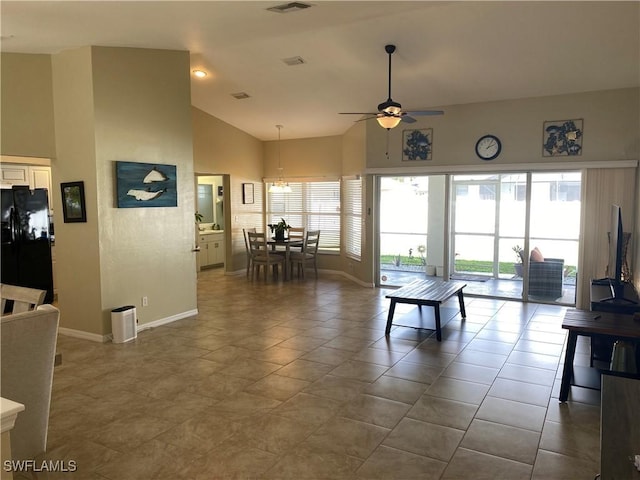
[[388, 121], [390, 107], [392, 110]]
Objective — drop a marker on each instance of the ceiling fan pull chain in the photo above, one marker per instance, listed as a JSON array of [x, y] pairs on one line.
[[387, 149]]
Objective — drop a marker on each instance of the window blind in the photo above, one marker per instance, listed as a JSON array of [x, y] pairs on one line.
[[313, 205], [352, 208]]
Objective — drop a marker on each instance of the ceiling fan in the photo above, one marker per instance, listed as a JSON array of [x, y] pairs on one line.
[[390, 113]]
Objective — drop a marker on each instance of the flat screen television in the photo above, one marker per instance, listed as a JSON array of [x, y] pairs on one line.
[[616, 257]]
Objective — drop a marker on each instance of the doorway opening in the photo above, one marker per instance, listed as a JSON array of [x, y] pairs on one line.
[[210, 233]]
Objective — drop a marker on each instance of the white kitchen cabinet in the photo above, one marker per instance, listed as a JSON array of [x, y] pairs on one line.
[[33, 176], [211, 248], [40, 177], [13, 174]]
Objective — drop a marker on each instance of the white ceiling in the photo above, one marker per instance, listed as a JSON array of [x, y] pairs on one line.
[[448, 52]]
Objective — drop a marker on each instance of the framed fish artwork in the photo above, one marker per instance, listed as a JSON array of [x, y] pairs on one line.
[[146, 185]]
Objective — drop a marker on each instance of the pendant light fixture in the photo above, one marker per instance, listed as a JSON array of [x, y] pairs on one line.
[[279, 186]]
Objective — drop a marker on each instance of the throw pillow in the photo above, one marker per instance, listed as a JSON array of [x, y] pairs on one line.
[[536, 255]]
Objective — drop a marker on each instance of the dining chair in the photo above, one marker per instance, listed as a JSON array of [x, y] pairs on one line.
[[308, 255], [246, 246], [297, 234], [262, 255]]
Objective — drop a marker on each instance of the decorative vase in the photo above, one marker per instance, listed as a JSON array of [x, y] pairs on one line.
[[279, 234], [518, 269]]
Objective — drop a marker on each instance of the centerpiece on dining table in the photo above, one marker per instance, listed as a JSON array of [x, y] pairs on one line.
[[278, 229]]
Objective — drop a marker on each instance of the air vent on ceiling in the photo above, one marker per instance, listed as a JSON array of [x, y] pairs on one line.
[[294, 61], [289, 7], [240, 95]]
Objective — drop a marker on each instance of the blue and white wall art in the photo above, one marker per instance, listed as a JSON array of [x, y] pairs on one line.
[[562, 138], [146, 185], [417, 144]]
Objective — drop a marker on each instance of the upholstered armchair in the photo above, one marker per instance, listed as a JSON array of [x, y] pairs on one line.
[[27, 358], [545, 278]]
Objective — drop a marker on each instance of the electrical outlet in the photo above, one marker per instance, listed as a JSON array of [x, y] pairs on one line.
[[145, 301]]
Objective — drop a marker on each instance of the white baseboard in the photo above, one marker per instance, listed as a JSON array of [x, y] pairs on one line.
[[96, 337], [354, 279], [164, 321]]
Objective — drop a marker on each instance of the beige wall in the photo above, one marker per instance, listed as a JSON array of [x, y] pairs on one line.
[[611, 125], [26, 121], [142, 101], [78, 274], [307, 157], [123, 104]]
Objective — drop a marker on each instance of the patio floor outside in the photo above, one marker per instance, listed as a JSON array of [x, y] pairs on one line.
[[510, 288]]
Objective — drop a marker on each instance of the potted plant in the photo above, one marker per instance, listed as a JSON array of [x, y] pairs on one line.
[[279, 228], [519, 259], [199, 219]]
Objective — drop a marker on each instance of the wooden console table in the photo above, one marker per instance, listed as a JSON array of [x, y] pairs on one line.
[[426, 292], [613, 326]]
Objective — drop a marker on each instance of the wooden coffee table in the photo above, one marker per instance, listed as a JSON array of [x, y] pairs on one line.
[[426, 292]]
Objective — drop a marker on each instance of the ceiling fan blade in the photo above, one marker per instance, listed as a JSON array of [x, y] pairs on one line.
[[408, 119], [425, 112], [366, 118]]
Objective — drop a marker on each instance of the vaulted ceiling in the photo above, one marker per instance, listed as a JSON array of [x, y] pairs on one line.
[[447, 52]]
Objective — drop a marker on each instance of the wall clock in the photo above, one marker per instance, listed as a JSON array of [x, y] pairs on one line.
[[488, 147]]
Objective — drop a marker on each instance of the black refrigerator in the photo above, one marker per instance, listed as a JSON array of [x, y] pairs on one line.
[[26, 239]]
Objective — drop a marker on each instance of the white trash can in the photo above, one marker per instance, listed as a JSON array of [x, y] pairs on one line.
[[123, 324]]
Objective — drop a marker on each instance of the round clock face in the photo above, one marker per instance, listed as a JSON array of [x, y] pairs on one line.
[[488, 147]]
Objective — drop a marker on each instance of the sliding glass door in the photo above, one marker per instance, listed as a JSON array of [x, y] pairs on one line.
[[508, 235], [554, 234], [488, 226], [501, 254], [411, 223]]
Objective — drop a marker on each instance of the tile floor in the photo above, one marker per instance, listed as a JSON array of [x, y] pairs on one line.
[[296, 380]]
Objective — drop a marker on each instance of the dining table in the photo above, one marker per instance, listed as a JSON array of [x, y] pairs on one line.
[[287, 243]]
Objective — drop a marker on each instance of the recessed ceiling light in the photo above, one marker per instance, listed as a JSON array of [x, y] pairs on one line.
[[289, 7], [294, 61], [200, 73]]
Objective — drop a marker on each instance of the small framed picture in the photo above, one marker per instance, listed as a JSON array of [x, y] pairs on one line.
[[247, 193], [73, 206], [562, 138], [417, 144]]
